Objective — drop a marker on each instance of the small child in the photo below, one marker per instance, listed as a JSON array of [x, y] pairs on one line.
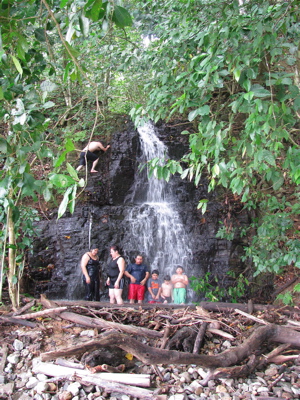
[[166, 290], [154, 287], [180, 282]]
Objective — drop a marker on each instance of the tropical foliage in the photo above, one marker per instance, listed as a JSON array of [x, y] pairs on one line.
[[40, 57], [232, 70]]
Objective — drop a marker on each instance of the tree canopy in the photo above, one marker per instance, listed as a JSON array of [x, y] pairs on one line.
[[230, 69]]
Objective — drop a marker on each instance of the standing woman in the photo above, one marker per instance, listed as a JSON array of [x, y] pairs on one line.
[[90, 268], [115, 280]]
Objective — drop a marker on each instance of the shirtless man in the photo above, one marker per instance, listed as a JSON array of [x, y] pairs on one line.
[[88, 154], [180, 282]]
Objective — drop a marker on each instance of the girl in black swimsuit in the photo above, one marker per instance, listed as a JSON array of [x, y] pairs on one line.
[[115, 280], [90, 267]]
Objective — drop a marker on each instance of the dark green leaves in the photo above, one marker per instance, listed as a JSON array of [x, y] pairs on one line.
[[121, 17], [94, 10]]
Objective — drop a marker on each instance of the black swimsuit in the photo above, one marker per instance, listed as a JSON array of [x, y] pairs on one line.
[[113, 273], [92, 288]]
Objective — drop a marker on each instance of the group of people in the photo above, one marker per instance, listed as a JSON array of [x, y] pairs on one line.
[[142, 287]]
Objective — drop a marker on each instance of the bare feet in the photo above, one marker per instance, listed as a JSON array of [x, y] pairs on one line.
[[93, 170]]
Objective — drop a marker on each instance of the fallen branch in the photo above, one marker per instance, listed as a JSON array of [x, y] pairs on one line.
[[17, 321], [259, 320], [24, 308], [199, 337], [101, 323], [3, 358], [229, 307], [42, 313], [221, 333], [150, 355], [142, 380]]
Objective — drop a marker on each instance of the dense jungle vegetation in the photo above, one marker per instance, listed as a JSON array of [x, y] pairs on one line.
[[67, 67]]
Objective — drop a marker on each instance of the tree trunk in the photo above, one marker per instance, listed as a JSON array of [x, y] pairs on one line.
[[12, 266]]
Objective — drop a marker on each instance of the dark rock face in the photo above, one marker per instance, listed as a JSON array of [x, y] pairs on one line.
[[100, 218]]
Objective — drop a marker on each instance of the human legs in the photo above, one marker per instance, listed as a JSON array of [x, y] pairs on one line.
[[82, 161], [92, 290], [94, 165], [118, 295], [115, 296], [111, 293], [179, 295], [141, 293], [84, 156], [96, 290], [132, 293]]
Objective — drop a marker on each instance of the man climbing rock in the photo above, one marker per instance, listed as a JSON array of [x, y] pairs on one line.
[[87, 154]]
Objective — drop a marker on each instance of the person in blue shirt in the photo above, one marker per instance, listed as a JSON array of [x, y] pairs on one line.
[[138, 273]]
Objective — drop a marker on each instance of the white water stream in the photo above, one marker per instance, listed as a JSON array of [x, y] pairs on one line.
[[154, 225]]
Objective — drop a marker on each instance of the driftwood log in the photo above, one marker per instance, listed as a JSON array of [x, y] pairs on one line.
[[109, 381], [101, 323], [210, 306], [229, 307], [141, 380], [150, 355]]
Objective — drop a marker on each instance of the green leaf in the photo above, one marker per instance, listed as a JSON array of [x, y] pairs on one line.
[[63, 3], [193, 115], [121, 17], [63, 205], [260, 91], [47, 194], [61, 181], [204, 110], [72, 51], [72, 172], [3, 145], [17, 65], [84, 24], [268, 157], [39, 33], [94, 13], [48, 86], [69, 145], [297, 103], [60, 159], [73, 199], [81, 182], [297, 288], [48, 104], [279, 182]]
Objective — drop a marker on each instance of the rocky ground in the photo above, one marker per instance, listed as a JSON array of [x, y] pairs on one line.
[[22, 347]]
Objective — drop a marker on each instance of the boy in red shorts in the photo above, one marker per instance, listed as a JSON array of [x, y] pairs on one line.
[[138, 273]]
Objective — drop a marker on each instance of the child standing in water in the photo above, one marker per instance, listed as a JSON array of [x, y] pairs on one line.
[[166, 290], [180, 282]]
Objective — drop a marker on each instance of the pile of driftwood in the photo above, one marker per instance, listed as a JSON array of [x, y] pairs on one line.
[[167, 334]]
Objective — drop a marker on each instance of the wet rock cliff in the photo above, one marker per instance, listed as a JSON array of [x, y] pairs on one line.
[[101, 217]]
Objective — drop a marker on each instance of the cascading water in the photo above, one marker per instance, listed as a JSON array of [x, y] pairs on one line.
[[154, 226]]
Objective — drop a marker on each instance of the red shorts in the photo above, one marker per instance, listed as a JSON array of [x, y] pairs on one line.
[[136, 292]]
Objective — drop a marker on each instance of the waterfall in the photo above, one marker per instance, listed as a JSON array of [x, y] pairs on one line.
[[90, 228], [154, 225]]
